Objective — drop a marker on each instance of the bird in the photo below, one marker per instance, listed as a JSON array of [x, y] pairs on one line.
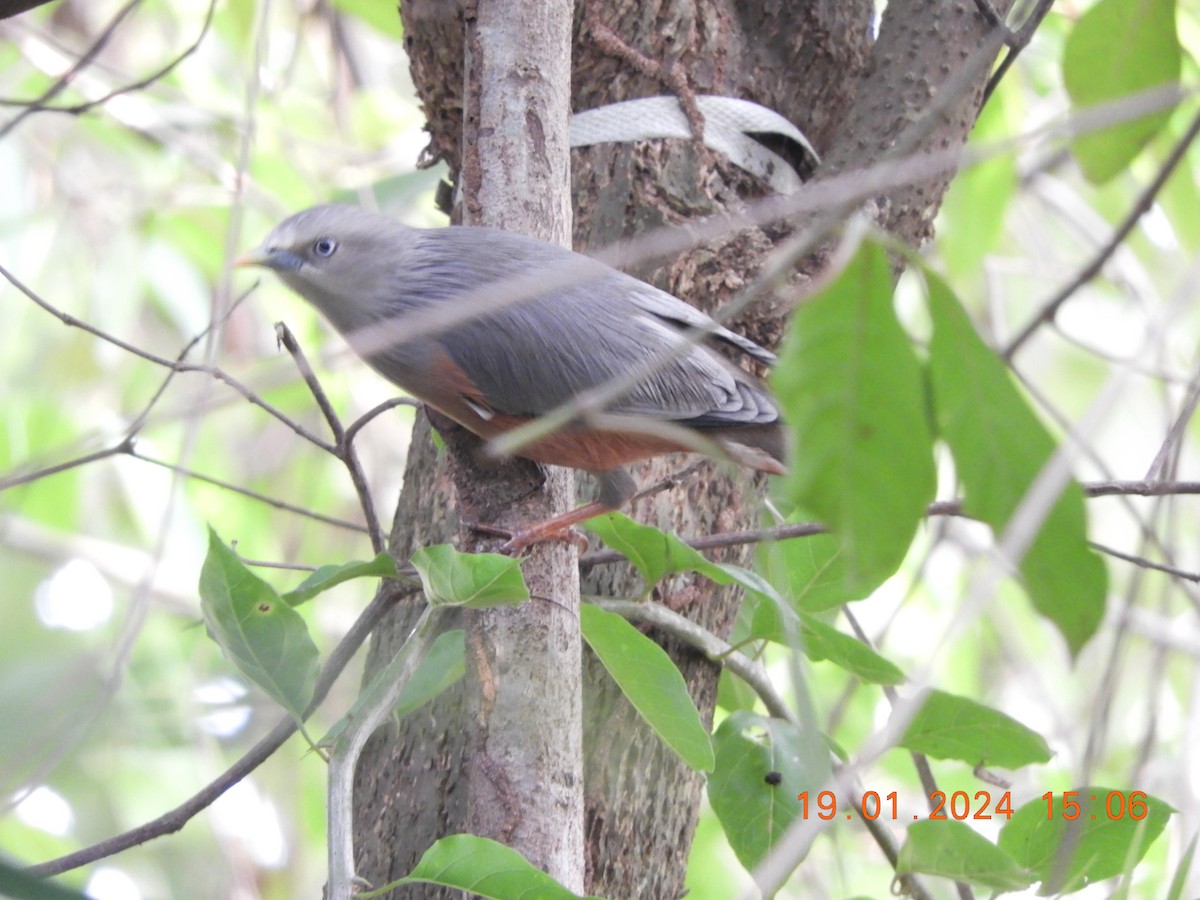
[[577, 325]]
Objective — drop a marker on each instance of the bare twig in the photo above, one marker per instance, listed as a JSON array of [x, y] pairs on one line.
[[1096, 264], [715, 541], [175, 366], [370, 415], [80, 108], [1143, 563], [1140, 488], [1134, 488], [374, 705], [15, 480], [938, 508], [1016, 41], [246, 492], [343, 449], [60, 85], [920, 761]]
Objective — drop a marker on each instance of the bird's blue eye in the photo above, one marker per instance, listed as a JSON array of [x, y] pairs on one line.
[[324, 247]]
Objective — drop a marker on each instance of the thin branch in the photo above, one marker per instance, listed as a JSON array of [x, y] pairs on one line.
[[1143, 563], [375, 704], [168, 823], [247, 492], [717, 650], [1016, 41], [1093, 268], [671, 74], [72, 322], [1166, 461], [67, 77], [996, 21], [175, 366], [1144, 527], [140, 420], [151, 78], [12, 481], [341, 46], [1140, 488], [937, 508], [370, 415], [715, 541], [343, 449], [80, 108]]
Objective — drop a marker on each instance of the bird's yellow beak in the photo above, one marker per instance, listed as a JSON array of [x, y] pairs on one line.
[[259, 256], [278, 258]]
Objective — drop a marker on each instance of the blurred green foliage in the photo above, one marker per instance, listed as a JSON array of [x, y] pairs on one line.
[[125, 218]]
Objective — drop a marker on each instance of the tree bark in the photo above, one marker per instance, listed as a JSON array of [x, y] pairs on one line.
[[814, 63], [524, 759]]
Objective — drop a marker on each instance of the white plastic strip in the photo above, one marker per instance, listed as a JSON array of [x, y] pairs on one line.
[[728, 121]]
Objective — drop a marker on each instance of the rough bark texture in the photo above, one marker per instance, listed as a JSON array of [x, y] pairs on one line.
[[805, 60], [928, 52], [524, 761]]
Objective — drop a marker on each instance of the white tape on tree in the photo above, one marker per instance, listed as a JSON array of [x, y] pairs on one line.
[[728, 123]]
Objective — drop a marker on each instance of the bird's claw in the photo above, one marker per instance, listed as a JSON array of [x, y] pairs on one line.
[[519, 539]]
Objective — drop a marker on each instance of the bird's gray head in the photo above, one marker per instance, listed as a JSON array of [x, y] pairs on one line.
[[342, 259]]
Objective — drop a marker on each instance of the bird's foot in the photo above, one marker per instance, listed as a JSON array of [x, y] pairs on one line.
[[521, 538]]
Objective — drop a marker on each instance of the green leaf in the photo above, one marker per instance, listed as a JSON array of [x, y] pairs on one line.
[[475, 580], [444, 665], [651, 682], [950, 727], [747, 579], [821, 641], [813, 570], [656, 554], [752, 751], [482, 867], [1116, 49], [256, 630], [733, 693], [382, 566], [999, 448], [953, 850], [853, 392], [767, 617], [764, 618], [1102, 842]]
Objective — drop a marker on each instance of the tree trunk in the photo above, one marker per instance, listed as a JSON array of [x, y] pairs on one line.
[[524, 760], [806, 60]]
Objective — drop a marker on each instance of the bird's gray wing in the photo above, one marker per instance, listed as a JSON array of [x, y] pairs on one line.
[[659, 303], [531, 358]]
